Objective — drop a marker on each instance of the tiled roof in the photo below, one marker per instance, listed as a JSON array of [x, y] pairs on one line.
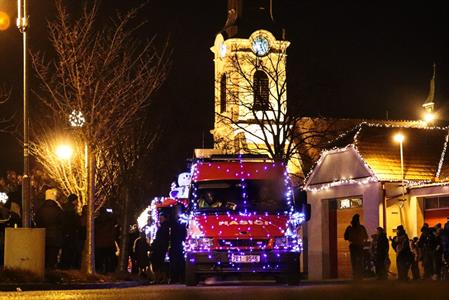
[[422, 150]]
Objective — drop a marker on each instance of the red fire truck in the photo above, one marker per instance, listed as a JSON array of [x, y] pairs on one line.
[[243, 218]]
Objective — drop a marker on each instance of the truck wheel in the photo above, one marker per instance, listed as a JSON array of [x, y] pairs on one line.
[[192, 278], [293, 279]]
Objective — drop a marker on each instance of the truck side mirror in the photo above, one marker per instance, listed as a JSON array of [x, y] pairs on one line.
[[308, 211]]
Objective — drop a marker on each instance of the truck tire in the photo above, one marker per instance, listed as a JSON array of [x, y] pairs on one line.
[[293, 279], [192, 278]]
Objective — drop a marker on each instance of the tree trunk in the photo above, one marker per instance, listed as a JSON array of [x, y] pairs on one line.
[[123, 263], [89, 244]]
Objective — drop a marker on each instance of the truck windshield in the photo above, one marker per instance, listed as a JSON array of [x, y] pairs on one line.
[[238, 196]]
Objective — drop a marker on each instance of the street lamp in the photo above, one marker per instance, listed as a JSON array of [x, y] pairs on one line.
[[64, 151], [22, 25], [429, 117], [399, 138]]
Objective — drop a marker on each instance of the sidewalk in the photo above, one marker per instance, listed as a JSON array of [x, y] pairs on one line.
[[40, 286]]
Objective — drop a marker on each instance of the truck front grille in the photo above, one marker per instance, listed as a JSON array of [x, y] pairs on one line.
[[243, 243]]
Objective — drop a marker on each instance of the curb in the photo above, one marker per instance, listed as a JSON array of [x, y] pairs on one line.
[[41, 286]]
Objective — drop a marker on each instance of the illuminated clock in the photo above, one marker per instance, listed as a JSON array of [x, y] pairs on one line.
[[260, 46], [223, 50]]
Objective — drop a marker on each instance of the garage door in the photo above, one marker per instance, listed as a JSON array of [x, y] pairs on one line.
[[436, 210]]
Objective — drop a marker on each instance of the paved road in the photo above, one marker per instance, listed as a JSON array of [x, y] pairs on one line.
[[365, 291]]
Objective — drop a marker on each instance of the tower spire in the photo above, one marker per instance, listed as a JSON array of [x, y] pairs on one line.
[[429, 104], [247, 16]]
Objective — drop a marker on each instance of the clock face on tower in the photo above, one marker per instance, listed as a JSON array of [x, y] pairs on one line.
[[260, 45]]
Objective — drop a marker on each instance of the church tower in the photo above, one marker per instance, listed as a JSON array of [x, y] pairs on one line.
[[250, 77]]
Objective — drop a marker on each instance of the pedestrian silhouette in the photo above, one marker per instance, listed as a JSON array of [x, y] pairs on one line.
[[159, 249], [404, 256], [50, 217], [356, 235]]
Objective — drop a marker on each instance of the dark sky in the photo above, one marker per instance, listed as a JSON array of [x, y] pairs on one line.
[[348, 58]]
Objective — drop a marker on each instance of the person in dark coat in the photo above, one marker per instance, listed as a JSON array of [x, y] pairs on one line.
[[178, 233], [133, 234], [380, 246], [415, 261], [71, 227], [141, 250], [50, 217], [426, 244], [404, 256], [159, 249], [356, 235], [105, 237]]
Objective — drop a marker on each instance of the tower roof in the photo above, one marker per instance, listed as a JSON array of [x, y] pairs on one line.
[[247, 16]]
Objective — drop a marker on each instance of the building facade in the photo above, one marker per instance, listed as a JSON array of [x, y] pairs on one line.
[[363, 174]]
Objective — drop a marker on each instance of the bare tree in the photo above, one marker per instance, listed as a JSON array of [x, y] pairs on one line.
[[103, 78]]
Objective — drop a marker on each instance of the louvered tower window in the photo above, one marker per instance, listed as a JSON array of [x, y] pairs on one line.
[[261, 91], [223, 93]]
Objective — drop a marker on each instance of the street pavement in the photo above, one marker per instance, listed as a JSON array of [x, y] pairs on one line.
[[260, 291]]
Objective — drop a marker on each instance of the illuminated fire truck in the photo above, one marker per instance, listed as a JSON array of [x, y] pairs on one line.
[[243, 218]]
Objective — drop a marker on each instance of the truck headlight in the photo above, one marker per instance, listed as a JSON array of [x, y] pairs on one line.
[[285, 242], [200, 243]]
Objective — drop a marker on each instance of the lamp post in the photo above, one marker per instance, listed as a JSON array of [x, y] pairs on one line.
[[77, 120], [399, 137], [22, 25]]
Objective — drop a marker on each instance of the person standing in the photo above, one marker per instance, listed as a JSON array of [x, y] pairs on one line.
[[178, 235], [71, 227], [159, 249], [416, 258], [105, 236], [426, 244], [356, 235], [141, 249], [50, 217], [404, 256], [380, 248]]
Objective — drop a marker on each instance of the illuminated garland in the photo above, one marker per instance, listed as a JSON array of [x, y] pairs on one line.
[[198, 242], [358, 128], [443, 154]]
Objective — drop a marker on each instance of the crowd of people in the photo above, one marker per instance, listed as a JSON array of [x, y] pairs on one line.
[[425, 257], [149, 260], [65, 231], [66, 234]]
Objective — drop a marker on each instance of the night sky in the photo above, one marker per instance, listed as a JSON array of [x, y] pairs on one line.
[[354, 59]]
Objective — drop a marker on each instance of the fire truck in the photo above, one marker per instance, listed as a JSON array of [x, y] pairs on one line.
[[243, 218]]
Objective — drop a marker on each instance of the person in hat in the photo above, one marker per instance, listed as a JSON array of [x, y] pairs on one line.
[[159, 249], [404, 255], [356, 235]]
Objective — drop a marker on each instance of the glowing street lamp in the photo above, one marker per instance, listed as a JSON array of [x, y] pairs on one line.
[[399, 138], [4, 21], [429, 117], [64, 152]]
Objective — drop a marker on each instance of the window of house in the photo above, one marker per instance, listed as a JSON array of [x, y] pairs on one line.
[[261, 91], [436, 202], [352, 202], [223, 93]]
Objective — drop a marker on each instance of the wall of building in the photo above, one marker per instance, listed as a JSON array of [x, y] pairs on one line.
[[318, 230]]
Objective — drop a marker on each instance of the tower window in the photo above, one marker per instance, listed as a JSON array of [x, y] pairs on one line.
[[223, 93], [261, 91]]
